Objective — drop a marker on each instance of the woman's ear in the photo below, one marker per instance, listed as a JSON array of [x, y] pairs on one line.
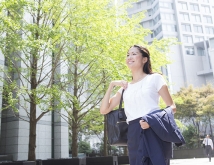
[[145, 59]]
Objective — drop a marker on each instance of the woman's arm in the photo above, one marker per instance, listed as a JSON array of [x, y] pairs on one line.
[[164, 93], [107, 103]]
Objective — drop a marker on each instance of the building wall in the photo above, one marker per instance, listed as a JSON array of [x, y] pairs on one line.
[[211, 52], [15, 137], [177, 18], [61, 143], [52, 132]]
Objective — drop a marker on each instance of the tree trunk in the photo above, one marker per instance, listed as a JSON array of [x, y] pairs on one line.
[[211, 131], [33, 95], [74, 135], [105, 146], [198, 133], [74, 123], [32, 135], [125, 151]]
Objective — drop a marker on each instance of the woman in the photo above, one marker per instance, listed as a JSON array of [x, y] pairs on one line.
[[141, 96]]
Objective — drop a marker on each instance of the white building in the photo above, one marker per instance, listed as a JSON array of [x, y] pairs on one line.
[[192, 22]]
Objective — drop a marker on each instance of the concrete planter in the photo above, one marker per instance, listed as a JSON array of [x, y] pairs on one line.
[[70, 161], [20, 163], [122, 160], [105, 160], [189, 153]]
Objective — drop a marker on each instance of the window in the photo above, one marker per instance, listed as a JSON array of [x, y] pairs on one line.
[[189, 50], [151, 23], [198, 28], [169, 27], [199, 38], [149, 2], [209, 30], [184, 16], [186, 27], [158, 30], [166, 5], [150, 12], [200, 51], [194, 7], [205, 9], [157, 18], [212, 43], [139, 5], [207, 19], [196, 18], [206, 1], [152, 34], [156, 8], [187, 39], [167, 16], [182, 5]]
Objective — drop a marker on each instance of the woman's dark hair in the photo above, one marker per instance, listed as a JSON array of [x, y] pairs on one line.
[[147, 68]]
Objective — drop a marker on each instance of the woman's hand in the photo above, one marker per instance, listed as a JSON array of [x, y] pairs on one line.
[[144, 124], [121, 83], [107, 103]]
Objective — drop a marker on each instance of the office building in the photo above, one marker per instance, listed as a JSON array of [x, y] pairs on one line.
[[192, 22]]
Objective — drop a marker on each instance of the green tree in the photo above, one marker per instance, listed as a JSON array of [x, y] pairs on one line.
[[188, 107], [101, 39], [33, 37], [196, 105], [61, 53], [191, 136], [206, 105], [84, 147]]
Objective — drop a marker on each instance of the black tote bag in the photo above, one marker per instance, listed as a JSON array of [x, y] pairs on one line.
[[117, 126]]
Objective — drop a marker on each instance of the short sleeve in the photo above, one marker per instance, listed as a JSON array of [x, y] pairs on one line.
[[159, 81]]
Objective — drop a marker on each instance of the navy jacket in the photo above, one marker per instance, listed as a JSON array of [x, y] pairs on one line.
[[155, 146]]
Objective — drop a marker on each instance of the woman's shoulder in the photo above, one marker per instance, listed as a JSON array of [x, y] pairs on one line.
[[158, 75]]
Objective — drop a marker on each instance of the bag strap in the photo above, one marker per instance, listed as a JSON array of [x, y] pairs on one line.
[[120, 113], [121, 100]]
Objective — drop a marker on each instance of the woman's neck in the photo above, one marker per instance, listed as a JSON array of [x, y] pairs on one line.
[[138, 76]]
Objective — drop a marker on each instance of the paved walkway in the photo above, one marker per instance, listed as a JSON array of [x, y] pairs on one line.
[[196, 161]]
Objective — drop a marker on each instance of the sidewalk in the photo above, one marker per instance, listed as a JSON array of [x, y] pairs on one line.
[[196, 161]]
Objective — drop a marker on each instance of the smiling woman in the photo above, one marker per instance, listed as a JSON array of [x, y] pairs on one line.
[[141, 97], [138, 59]]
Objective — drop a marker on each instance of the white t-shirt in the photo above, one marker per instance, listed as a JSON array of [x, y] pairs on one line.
[[208, 141], [142, 97]]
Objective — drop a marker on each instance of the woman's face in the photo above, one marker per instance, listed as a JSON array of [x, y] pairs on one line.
[[134, 59]]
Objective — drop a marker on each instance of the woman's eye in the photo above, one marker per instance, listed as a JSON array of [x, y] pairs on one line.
[[127, 55]]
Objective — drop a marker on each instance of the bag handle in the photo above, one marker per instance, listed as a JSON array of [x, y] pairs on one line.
[[121, 100], [120, 106]]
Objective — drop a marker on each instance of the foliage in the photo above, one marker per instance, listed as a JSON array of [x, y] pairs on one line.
[[92, 124], [188, 108], [99, 57], [197, 107], [33, 35], [181, 125], [84, 147], [191, 137], [61, 54]]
